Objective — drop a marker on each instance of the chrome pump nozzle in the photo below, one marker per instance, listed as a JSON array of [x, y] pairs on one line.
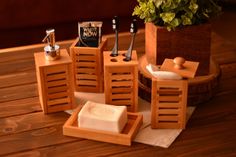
[[52, 51]]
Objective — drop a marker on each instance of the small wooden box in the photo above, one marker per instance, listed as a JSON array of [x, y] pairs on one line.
[[130, 130], [88, 67], [55, 82], [168, 105], [121, 80]]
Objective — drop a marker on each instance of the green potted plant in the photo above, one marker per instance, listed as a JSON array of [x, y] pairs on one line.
[[178, 28]]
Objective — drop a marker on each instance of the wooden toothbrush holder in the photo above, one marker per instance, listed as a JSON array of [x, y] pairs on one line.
[[121, 80]]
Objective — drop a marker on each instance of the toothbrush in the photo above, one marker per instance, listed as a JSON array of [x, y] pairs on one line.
[[115, 27], [133, 30]]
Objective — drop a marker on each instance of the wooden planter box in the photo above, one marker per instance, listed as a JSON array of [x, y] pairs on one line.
[[121, 80], [169, 103], [55, 82], [191, 42], [88, 67]]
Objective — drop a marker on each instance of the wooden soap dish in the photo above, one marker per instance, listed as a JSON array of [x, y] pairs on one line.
[[130, 130]]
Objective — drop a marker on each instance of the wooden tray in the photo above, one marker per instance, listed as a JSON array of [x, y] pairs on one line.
[[135, 121]]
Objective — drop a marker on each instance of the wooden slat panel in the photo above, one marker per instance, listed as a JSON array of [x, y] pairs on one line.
[[121, 96], [85, 82], [57, 89], [58, 101], [121, 102], [86, 64], [58, 95], [169, 98], [86, 70], [86, 76], [55, 69], [57, 83], [121, 77], [121, 70], [86, 58], [122, 83], [60, 107], [56, 77], [169, 105], [121, 89], [168, 118], [168, 125], [168, 111], [169, 91]]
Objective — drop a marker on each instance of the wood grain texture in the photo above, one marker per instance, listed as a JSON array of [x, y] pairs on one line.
[[32, 121], [80, 148], [19, 107], [114, 67], [209, 132], [192, 43], [87, 65], [55, 82], [18, 92], [168, 104], [33, 139]]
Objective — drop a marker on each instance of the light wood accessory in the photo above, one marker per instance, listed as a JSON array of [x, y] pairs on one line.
[[168, 105], [121, 80], [178, 65], [88, 66], [55, 82], [130, 130]]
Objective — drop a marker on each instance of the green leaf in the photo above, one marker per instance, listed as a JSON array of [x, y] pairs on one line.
[[186, 20], [158, 3], [167, 17], [175, 22], [174, 13], [193, 6]]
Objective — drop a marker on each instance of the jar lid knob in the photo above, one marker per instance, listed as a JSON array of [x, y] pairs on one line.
[[179, 61]]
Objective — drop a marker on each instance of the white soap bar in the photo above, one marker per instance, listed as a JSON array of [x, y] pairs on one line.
[[163, 75], [102, 117]]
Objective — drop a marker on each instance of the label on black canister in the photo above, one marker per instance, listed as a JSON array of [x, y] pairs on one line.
[[89, 34]]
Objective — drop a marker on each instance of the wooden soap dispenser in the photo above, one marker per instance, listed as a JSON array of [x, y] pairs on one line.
[[54, 76]]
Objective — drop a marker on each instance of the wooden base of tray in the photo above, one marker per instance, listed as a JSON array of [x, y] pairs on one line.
[[130, 130], [200, 88]]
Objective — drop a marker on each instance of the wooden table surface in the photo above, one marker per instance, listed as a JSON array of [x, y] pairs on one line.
[[26, 131]]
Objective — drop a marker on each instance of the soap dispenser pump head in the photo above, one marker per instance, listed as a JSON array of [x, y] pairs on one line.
[[50, 37], [52, 51]]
